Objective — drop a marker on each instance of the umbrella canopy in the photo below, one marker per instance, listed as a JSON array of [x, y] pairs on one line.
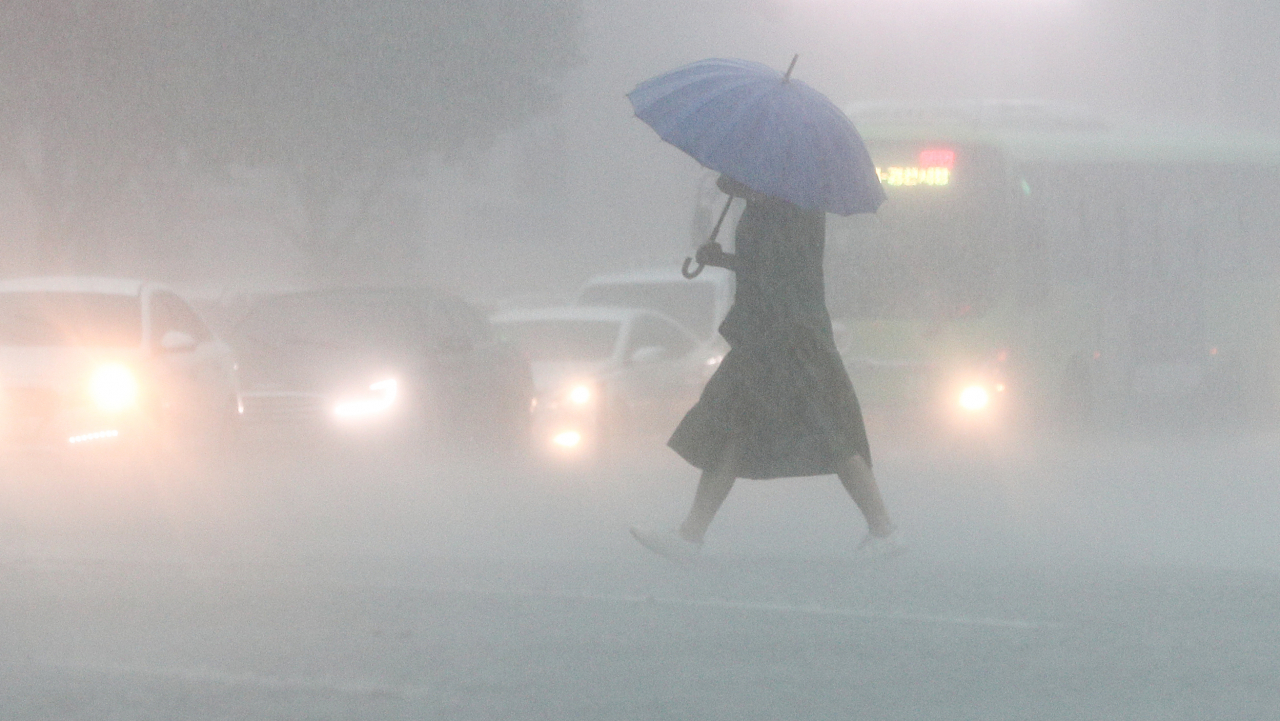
[[764, 129]]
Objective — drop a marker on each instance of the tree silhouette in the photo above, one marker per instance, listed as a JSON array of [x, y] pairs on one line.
[[340, 97]]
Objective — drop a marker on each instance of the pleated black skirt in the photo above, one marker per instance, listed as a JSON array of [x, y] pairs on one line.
[[789, 410]]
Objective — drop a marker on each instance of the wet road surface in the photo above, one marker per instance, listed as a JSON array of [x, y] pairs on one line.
[[1135, 581]]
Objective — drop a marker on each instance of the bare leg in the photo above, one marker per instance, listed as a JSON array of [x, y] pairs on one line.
[[713, 488], [860, 482]]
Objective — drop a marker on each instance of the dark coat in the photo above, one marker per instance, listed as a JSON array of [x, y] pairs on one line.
[[781, 394]]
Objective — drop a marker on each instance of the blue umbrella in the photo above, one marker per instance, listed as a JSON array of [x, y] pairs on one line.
[[764, 129]]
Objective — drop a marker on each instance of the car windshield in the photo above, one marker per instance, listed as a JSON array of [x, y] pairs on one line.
[[690, 304], [343, 320], [563, 341], [33, 319]]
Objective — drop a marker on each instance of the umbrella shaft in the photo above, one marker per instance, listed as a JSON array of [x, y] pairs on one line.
[[716, 230]]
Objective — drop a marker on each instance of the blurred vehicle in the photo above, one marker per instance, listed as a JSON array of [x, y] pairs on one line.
[[606, 376], [1035, 263], [405, 365], [221, 308], [93, 363], [698, 304]]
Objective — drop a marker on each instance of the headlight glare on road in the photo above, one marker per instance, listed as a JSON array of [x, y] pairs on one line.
[[380, 398], [113, 388]]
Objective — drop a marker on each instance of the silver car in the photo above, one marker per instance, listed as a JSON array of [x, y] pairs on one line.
[[699, 305], [604, 375]]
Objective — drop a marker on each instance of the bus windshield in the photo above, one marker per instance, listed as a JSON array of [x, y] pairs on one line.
[[931, 251]]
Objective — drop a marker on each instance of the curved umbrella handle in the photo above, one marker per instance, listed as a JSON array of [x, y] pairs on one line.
[[684, 269]]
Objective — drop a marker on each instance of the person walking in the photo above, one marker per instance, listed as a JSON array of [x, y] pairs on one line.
[[780, 404]]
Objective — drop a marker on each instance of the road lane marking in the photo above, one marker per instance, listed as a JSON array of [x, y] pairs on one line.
[[804, 609], [205, 675]]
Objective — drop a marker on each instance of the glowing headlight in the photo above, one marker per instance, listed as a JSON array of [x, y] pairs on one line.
[[113, 388], [567, 439], [580, 395], [382, 395], [974, 398]]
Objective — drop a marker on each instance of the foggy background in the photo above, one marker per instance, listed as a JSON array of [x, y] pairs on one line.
[[488, 146]]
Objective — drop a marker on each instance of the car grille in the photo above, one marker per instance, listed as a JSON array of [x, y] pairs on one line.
[[284, 408]]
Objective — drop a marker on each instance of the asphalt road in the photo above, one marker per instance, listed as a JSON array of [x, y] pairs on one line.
[[1136, 580]]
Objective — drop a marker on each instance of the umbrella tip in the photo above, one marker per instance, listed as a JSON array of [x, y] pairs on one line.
[[791, 67]]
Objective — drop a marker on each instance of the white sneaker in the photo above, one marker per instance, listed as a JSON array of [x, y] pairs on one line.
[[668, 544], [876, 547]]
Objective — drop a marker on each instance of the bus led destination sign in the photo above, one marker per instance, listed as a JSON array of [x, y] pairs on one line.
[[932, 169], [898, 176]]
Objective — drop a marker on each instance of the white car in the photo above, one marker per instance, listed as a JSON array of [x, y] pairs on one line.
[[108, 363], [606, 375], [698, 305]]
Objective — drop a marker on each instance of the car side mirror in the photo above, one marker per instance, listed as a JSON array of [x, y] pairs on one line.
[[175, 341], [648, 354]]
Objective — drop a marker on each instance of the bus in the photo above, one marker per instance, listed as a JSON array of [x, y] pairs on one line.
[[1035, 263]]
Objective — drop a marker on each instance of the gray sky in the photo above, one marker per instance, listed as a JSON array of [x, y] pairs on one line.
[[588, 188]]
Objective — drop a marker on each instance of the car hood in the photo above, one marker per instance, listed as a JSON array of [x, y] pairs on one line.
[[58, 368], [548, 377], [317, 369]]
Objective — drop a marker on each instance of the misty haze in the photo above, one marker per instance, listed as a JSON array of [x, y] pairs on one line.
[[348, 369]]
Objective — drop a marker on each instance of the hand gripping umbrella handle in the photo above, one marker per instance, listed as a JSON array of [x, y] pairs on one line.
[[684, 269]]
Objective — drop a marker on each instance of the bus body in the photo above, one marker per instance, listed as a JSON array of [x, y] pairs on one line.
[[1033, 264]]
